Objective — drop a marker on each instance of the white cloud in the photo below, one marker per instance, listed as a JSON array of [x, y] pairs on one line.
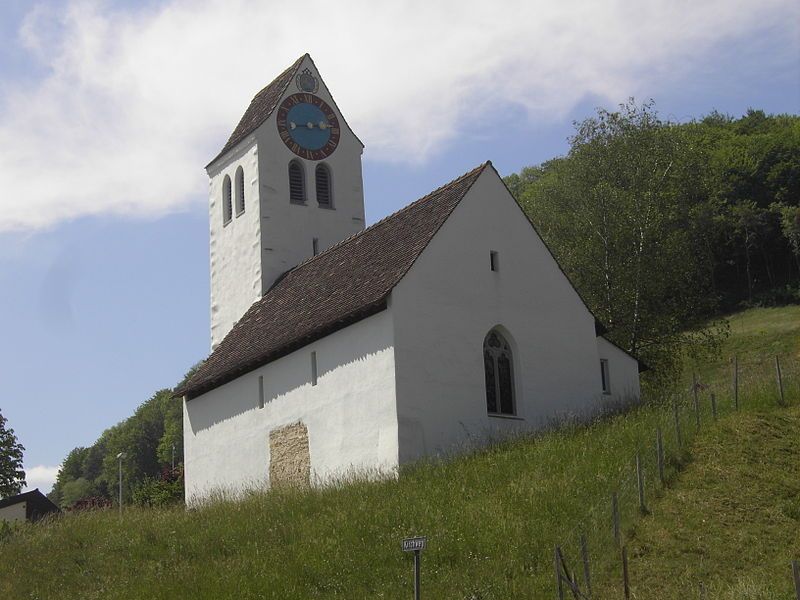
[[133, 104], [42, 477]]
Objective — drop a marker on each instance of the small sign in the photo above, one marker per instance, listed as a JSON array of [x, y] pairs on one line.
[[415, 544]]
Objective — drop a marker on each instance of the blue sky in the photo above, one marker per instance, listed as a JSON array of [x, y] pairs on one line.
[[110, 110]]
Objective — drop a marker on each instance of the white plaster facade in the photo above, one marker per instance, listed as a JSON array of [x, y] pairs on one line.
[[14, 513], [408, 381], [249, 252], [350, 413]]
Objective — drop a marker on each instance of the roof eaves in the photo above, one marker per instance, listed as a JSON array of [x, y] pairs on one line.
[[190, 392]]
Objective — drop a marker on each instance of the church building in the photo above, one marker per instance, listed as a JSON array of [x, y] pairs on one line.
[[339, 349]]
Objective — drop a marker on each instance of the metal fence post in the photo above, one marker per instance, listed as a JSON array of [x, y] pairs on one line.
[[735, 382], [557, 564], [677, 415], [660, 454], [615, 517], [714, 405], [640, 484], [625, 580], [696, 400], [780, 378], [796, 575], [587, 577]]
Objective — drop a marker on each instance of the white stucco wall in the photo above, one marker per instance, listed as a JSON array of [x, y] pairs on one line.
[[13, 513], [623, 371], [350, 414], [235, 247], [450, 300]]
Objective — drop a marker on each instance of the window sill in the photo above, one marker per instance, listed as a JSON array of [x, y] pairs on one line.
[[226, 223], [296, 203], [239, 214], [502, 416], [328, 207], [605, 393]]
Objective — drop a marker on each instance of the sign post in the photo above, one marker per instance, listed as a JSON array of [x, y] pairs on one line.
[[415, 545]]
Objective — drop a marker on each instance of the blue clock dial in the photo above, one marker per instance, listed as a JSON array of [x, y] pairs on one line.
[[308, 126]]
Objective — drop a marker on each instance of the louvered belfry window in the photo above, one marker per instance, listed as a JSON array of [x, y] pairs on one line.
[[297, 183], [323, 177], [498, 370], [227, 209]]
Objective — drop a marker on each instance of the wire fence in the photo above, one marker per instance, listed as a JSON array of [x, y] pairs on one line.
[[595, 549]]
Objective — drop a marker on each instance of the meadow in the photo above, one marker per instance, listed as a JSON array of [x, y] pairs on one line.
[[725, 518]]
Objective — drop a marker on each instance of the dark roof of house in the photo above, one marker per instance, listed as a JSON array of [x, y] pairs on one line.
[[38, 503], [348, 282], [261, 107]]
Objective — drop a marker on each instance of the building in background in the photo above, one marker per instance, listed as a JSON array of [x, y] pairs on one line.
[[30, 506]]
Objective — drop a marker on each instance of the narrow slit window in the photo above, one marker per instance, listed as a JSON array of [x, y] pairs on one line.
[[315, 246], [297, 183], [604, 376], [260, 391], [493, 261], [313, 368], [239, 191], [323, 181], [227, 208]]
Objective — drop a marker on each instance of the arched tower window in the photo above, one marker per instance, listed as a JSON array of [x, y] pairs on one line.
[[324, 187], [226, 200], [499, 372], [297, 182], [239, 191]]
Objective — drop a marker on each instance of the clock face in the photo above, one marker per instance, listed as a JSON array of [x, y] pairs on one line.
[[308, 126]]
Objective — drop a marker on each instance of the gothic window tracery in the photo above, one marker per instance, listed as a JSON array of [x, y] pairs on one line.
[[499, 374]]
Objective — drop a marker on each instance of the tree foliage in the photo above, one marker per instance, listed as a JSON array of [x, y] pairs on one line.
[[662, 225], [12, 475]]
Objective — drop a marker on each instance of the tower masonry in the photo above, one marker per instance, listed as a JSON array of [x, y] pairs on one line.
[[286, 186]]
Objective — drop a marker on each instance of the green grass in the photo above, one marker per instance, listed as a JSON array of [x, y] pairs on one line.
[[492, 518]]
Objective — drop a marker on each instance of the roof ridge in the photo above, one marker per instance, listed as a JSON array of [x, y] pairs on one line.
[[400, 211], [246, 129]]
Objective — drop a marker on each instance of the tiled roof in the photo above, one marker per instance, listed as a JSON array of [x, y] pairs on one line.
[[261, 107], [348, 282]]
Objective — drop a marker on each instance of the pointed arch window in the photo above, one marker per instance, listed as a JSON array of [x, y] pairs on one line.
[[239, 191], [227, 207], [324, 186], [498, 366], [297, 182]]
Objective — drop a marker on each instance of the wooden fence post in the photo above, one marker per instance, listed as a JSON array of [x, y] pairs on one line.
[[780, 378], [660, 455], [677, 421], [557, 564], [735, 382], [640, 484], [714, 405], [587, 577], [625, 581], [696, 401], [615, 517], [796, 575]]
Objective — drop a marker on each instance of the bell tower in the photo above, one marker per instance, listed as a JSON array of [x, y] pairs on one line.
[[286, 186]]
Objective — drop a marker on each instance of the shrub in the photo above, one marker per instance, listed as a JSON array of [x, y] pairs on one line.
[[164, 490]]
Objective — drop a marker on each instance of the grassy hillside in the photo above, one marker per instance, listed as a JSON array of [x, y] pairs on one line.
[[492, 518]]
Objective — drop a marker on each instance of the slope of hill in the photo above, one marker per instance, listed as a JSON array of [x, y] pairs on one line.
[[492, 517]]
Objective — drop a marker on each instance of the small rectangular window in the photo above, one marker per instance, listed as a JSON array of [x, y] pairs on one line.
[[315, 246], [604, 376], [493, 261], [313, 368], [260, 391]]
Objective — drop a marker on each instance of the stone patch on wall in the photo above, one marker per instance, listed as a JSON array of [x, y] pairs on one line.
[[290, 461]]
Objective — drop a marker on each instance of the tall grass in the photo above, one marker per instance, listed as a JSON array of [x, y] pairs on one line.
[[492, 519]]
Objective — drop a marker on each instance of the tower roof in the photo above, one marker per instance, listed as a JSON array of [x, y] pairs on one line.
[[348, 282], [261, 107]]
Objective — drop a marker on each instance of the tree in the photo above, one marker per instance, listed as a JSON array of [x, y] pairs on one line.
[[618, 213], [12, 476]]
